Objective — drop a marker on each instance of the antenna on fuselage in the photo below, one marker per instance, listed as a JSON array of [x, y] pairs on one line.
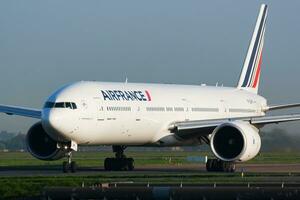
[[126, 80]]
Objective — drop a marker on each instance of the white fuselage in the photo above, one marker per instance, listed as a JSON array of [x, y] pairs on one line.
[[140, 114]]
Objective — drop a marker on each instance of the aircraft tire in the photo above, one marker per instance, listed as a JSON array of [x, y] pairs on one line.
[[118, 164], [130, 164], [215, 165], [108, 164], [73, 167], [65, 167]]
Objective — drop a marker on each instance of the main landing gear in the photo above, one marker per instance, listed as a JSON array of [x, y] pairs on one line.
[[120, 162], [216, 165], [69, 166]]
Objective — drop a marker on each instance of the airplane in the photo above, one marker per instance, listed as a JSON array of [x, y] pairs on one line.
[[121, 115]]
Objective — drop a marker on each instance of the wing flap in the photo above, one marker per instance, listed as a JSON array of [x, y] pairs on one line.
[[274, 119], [21, 111], [195, 128]]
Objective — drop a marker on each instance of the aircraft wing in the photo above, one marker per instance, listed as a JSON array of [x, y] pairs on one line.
[[282, 106], [189, 129], [21, 111]]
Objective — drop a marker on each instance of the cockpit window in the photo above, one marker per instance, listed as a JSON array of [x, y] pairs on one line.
[[59, 105], [74, 105], [49, 104], [70, 105]]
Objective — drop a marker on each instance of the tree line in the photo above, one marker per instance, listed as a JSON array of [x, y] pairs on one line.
[[274, 140]]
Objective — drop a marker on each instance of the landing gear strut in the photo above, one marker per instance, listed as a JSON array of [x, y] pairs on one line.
[[216, 165], [69, 166], [120, 162]]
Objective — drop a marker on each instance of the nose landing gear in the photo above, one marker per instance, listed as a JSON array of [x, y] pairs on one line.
[[69, 166], [68, 148], [120, 162]]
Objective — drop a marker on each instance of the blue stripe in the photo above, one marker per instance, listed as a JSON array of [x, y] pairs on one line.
[[256, 60], [250, 66]]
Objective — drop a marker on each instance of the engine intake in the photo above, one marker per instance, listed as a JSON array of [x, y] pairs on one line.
[[228, 142], [41, 145], [235, 141]]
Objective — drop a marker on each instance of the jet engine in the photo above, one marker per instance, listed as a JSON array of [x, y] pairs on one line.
[[41, 145], [235, 141]]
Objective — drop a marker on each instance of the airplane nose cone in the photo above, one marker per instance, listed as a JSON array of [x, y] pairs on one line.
[[54, 122]]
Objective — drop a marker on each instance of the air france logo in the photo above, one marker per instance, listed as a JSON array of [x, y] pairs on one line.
[[118, 95]]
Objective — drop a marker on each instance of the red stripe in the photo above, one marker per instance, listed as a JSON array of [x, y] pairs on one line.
[[148, 95], [258, 72]]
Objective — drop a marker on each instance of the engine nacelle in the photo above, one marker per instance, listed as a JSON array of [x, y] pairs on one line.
[[41, 145], [235, 141]]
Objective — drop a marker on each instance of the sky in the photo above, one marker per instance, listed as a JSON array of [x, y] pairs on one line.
[[46, 44]]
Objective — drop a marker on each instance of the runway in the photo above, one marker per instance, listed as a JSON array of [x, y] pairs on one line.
[[55, 170]]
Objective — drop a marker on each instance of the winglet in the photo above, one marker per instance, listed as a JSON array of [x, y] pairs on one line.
[[250, 74]]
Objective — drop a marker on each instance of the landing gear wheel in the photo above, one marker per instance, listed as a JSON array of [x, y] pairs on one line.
[[130, 164], [123, 164], [216, 165], [69, 166], [119, 164], [66, 167], [73, 167], [107, 164]]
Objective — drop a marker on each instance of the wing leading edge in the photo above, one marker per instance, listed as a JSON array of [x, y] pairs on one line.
[[190, 129], [282, 106], [21, 111]]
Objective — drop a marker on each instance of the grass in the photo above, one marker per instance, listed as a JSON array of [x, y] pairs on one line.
[[141, 158]]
